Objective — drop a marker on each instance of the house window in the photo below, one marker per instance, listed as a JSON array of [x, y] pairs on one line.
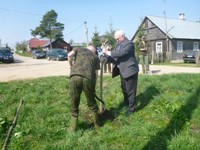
[[195, 46], [159, 47], [179, 46]]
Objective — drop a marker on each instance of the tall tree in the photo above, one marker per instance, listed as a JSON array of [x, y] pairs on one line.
[[141, 32], [22, 46], [109, 35], [96, 39], [49, 27]]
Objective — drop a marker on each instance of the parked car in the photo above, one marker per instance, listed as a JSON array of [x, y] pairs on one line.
[[38, 54], [190, 57], [6, 55], [56, 54]]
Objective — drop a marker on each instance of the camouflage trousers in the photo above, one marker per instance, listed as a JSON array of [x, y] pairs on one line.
[[77, 85], [144, 59]]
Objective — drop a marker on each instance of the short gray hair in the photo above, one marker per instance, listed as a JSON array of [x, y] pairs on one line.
[[119, 33]]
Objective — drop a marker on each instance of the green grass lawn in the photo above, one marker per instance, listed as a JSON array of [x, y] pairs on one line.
[[167, 116]]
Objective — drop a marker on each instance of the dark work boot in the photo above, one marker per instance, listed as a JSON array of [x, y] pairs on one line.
[[73, 124], [97, 122]]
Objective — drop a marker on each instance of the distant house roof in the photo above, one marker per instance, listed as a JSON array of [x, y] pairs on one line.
[[35, 42], [47, 43], [177, 28]]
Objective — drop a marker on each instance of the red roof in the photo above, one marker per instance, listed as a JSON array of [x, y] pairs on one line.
[[35, 42]]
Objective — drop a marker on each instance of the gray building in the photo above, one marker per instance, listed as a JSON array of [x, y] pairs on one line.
[[169, 38]]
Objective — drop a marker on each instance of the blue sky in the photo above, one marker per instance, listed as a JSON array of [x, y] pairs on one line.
[[19, 16]]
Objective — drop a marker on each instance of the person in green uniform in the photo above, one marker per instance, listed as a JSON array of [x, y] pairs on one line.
[[144, 56], [83, 76]]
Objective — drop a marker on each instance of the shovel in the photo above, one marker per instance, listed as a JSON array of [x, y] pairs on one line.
[[102, 106]]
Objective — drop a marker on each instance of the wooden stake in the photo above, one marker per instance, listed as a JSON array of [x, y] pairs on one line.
[[12, 126], [102, 106]]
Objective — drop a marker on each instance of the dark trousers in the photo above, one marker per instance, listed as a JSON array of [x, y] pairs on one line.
[[129, 87]]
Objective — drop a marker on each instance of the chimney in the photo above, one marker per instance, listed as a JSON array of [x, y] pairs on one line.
[[182, 16]]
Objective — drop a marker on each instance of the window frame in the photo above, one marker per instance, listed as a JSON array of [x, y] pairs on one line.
[[195, 46], [179, 46]]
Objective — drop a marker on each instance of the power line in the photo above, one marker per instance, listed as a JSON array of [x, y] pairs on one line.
[[72, 20], [21, 12], [28, 13], [75, 29]]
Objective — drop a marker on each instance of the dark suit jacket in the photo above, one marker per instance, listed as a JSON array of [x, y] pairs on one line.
[[124, 59]]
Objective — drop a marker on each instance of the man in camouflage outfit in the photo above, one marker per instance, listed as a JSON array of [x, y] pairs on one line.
[[144, 56], [83, 76]]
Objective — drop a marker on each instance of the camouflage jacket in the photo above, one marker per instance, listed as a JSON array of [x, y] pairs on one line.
[[85, 64]]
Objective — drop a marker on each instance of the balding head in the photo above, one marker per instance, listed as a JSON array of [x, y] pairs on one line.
[[92, 48]]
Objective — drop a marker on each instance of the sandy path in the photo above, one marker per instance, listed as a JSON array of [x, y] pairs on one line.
[[28, 68]]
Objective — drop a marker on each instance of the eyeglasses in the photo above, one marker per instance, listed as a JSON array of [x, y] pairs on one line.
[[116, 39]]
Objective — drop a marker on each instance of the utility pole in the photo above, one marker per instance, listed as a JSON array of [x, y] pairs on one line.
[[86, 32], [166, 34], [198, 58]]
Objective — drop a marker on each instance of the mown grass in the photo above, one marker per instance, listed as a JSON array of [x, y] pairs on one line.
[[167, 116]]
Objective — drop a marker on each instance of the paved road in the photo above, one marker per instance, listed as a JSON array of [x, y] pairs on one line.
[[28, 68]]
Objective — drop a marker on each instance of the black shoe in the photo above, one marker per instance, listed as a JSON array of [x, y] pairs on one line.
[[126, 102], [128, 113]]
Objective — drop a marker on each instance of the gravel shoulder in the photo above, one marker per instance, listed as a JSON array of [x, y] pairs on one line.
[[28, 68]]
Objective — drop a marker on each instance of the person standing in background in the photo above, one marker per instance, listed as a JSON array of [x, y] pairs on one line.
[[107, 66], [144, 56]]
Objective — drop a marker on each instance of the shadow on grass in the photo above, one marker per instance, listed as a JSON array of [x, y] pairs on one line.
[[88, 122], [107, 115], [144, 99], [181, 117], [85, 125]]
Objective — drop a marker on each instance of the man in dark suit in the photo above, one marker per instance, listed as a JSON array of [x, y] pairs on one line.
[[125, 65]]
